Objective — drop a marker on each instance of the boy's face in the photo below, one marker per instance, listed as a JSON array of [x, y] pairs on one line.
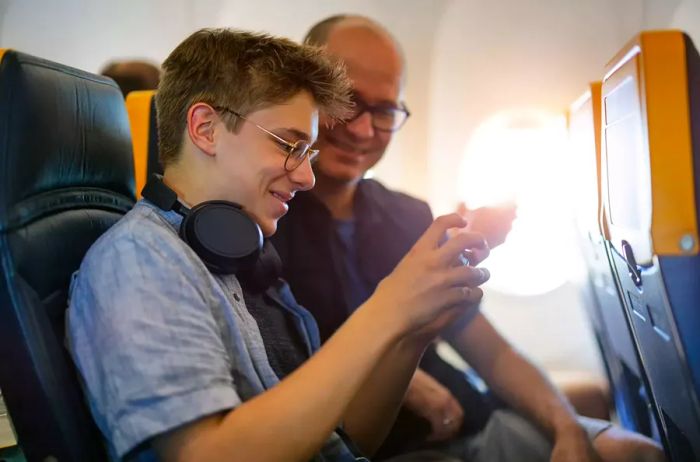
[[250, 164]]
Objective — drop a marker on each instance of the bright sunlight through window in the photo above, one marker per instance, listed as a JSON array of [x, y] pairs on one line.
[[520, 157]]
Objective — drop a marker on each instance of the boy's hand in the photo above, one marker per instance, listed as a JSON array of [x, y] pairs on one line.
[[429, 287]]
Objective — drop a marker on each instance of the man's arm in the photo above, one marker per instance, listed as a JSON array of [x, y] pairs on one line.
[[520, 384], [493, 222]]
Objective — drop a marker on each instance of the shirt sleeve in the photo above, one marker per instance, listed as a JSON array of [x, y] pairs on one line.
[[145, 341]]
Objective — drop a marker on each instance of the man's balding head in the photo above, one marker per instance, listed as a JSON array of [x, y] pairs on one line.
[[375, 66], [335, 32], [133, 75]]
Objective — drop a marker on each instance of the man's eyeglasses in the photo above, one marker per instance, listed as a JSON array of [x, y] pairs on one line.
[[385, 117], [296, 152]]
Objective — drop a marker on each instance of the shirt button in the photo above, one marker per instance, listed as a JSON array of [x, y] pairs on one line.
[[236, 297]]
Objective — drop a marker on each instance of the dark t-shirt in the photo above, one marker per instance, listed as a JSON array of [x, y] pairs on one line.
[[285, 348], [355, 288]]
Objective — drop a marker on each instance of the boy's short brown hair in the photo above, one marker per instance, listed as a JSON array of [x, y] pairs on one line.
[[246, 72]]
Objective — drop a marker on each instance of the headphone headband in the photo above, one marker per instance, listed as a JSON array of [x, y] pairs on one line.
[[161, 195]]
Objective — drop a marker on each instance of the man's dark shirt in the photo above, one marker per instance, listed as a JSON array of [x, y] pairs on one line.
[[386, 225], [355, 288]]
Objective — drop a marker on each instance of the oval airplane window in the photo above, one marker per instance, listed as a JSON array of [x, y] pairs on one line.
[[519, 157]]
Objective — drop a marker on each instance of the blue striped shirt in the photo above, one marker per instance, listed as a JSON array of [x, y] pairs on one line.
[[159, 341]]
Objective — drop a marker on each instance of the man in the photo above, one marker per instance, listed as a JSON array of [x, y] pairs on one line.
[[132, 75], [183, 359], [361, 230]]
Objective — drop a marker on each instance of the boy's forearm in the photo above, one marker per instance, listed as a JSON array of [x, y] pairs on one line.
[[292, 420], [372, 412]]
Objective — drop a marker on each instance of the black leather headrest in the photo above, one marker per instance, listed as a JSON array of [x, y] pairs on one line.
[[42, 104], [66, 176]]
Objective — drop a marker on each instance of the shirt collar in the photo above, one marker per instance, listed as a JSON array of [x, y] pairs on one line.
[[172, 217]]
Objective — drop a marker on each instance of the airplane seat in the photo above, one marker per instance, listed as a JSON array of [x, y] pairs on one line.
[[605, 309], [66, 177], [651, 178], [141, 107]]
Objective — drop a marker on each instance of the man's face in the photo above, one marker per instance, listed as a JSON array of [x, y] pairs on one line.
[[348, 150], [250, 163]]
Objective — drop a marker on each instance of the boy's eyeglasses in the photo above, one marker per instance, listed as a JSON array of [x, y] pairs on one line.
[[296, 152]]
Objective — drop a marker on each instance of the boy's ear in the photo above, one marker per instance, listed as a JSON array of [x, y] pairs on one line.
[[201, 120]]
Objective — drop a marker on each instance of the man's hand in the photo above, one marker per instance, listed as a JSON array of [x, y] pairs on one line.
[[429, 399], [493, 222], [574, 446]]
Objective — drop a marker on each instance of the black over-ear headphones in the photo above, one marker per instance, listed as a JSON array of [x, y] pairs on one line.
[[224, 237]]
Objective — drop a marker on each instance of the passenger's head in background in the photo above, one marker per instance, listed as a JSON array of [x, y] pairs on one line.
[[376, 67], [133, 75], [237, 112]]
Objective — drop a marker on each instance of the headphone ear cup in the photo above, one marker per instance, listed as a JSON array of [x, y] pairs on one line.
[[224, 236]]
